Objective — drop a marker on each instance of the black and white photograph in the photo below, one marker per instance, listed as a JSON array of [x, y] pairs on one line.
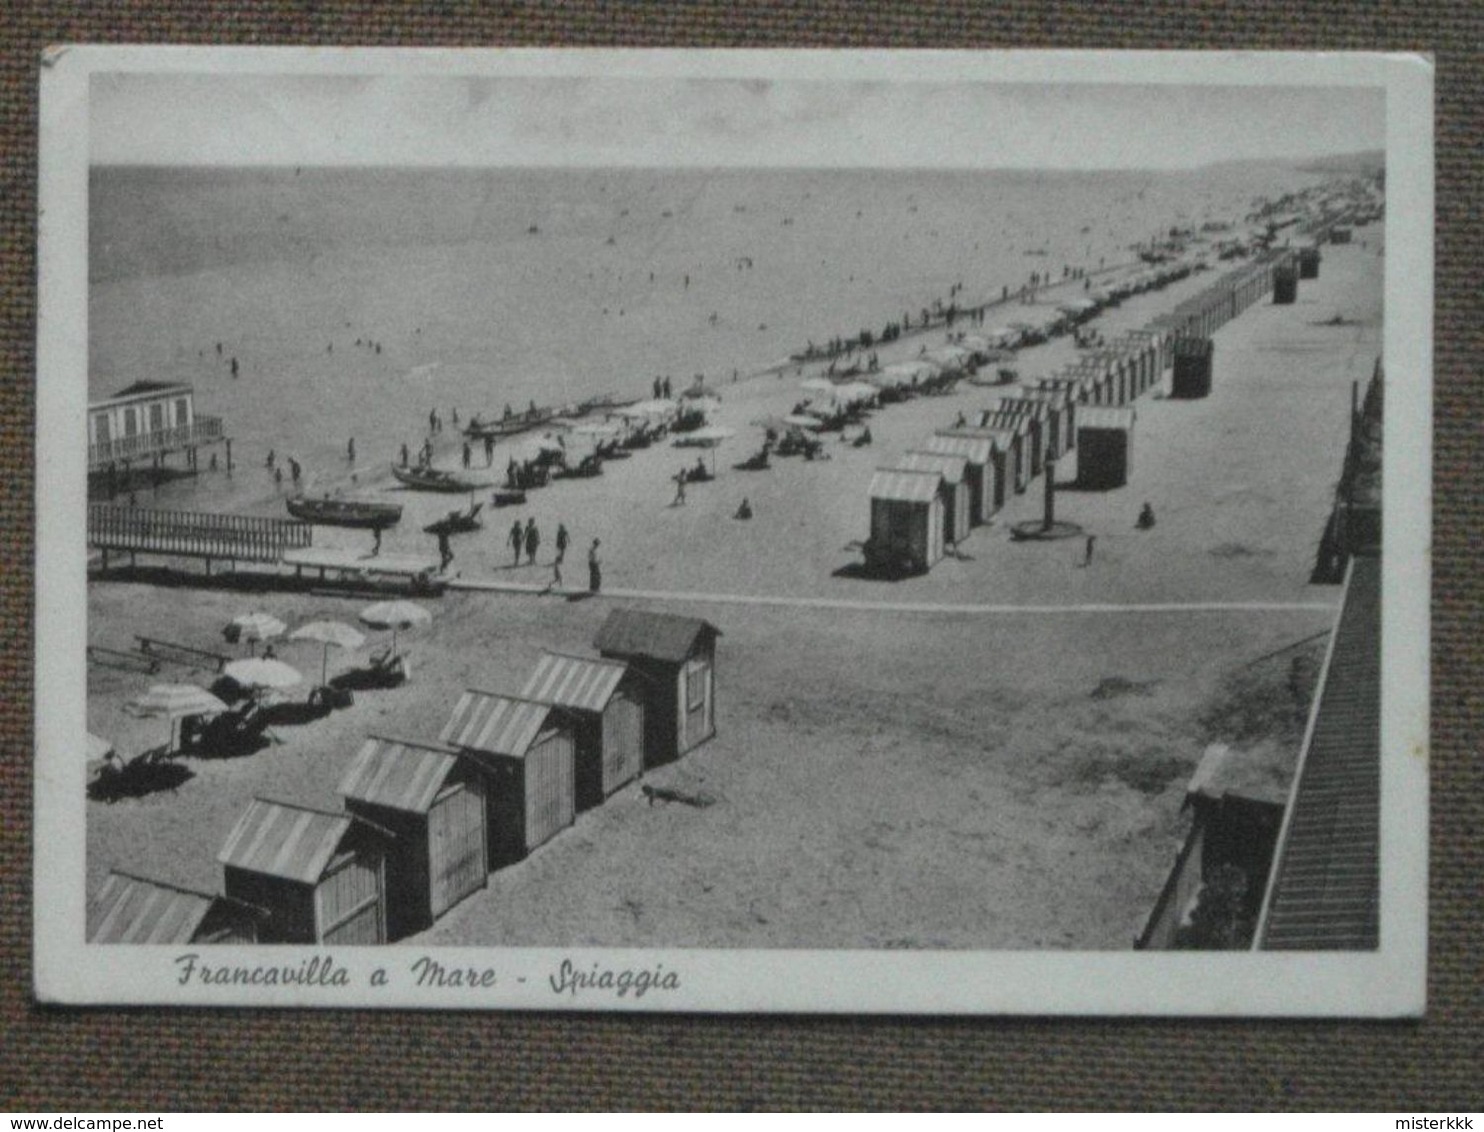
[[823, 531]]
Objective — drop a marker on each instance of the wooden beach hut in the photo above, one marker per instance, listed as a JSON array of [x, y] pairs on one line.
[[1012, 467], [1308, 262], [675, 658], [605, 702], [1105, 447], [525, 750], [433, 800], [319, 877], [957, 501], [907, 521], [1058, 418], [982, 472], [1191, 379], [1025, 443], [133, 909], [1037, 415]]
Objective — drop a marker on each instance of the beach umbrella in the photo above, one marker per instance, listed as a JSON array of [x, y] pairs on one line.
[[799, 420], [334, 634], [394, 615], [549, 444], [257, 626], [257, 673], [599, 428], [709, 437], [817, 385], [176, 701]]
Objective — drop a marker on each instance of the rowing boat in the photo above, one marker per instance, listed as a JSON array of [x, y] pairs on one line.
[[344, 512], [431, 479]]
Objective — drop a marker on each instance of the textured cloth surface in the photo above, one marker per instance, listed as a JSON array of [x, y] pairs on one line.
[[60, 1060]]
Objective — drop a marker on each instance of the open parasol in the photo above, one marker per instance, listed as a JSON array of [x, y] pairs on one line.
[[334, 634], [256, 626], [258, 673], [394, 615], [176, 701]]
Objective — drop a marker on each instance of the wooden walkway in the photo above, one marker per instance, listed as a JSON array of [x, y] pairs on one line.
[[194, 534], [416, 569]]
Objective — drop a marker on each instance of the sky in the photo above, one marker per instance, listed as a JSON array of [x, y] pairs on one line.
[[522, 120]]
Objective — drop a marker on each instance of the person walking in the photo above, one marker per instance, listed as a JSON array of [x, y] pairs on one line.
[[679, 500], [1091, 542], [376, 546], [350, 450], [295, 471], [562, 538], [594, 568], [404, 453], [517, 540], [468, 453], [445, 551], [489, 450], [533, 541]]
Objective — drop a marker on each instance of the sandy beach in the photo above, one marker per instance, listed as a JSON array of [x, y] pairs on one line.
[[902, 777]]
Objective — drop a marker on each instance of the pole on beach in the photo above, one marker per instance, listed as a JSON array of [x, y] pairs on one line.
[[1049, 520]]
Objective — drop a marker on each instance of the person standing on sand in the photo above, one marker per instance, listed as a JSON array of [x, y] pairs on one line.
[[1091, 542], [561, 543], [658, 388], [533, 541], [404, 453], [468, 453], [594, 568], [445, 551], [679, 500], [376, 546], [350, 450], [517, 540], [489, 450]]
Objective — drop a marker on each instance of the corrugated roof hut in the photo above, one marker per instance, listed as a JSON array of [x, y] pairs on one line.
[[605, 702], [675, 657], [319, 877], [982, 472], [525, 749], [1105, 447], [1022, 430], [957, 492], [133, 909], [907, 521], [1058, 418], [1012, 466], [1037, 415], [434, 802]]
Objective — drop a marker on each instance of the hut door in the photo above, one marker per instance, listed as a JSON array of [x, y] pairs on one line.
[[349, 898], [698, 722], [623, 730], [456, 863]]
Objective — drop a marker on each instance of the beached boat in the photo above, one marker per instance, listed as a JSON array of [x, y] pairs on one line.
[[431, 479], [344, 512], [457, 522]]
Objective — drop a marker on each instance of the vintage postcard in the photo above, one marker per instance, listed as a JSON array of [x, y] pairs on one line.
[[734, 531]]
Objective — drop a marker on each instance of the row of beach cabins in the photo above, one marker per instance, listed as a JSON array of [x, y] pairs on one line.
[[959, 478], [424, 822]]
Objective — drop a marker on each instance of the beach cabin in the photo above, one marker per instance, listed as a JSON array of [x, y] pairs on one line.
[[1192, 377], [433, 801], [133, 909], [1057, 418], [1308, 262], [319, 877], [957, 500], [907, 521], [982, 472], [605, 702], [1285, 282], [1037, 415], [1105, 447], [525, 750], [1027, 448], [148, 419], [1012, 466], [675, 660]]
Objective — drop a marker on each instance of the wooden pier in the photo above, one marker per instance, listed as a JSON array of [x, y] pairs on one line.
[[421, 573]]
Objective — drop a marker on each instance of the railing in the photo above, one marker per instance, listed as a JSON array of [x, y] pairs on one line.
[[202, 430], [195, 534]]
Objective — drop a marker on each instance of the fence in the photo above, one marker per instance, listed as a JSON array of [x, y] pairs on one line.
[[195, 534]]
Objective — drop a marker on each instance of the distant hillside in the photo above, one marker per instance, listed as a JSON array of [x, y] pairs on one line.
[[1352, 164]]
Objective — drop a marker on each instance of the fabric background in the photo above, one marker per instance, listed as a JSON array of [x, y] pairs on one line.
[[58, 1060]]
